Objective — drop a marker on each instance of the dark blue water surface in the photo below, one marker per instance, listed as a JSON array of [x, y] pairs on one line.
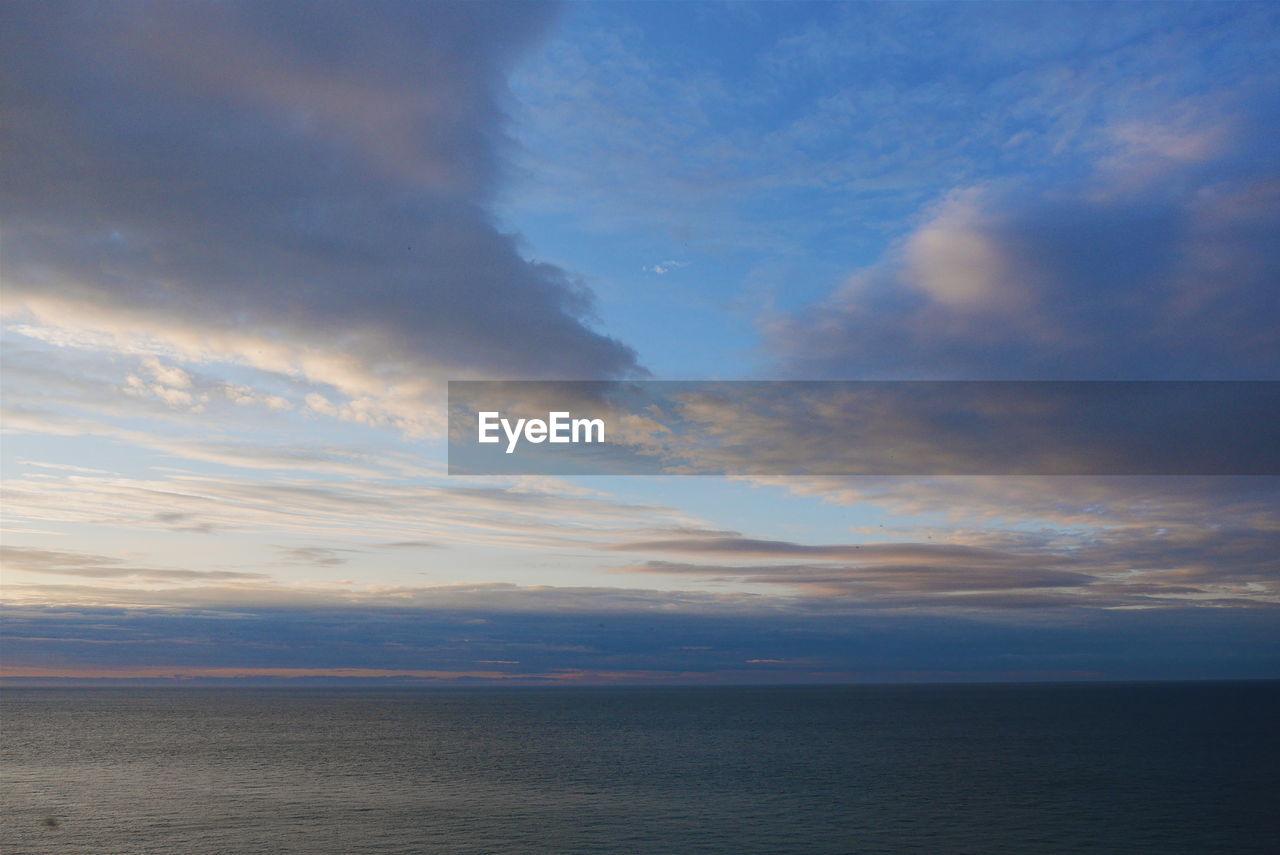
[[1159, 768]]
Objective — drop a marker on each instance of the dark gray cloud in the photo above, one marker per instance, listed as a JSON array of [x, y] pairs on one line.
[[300, 186]]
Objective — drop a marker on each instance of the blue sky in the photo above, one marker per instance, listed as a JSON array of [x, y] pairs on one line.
[[777, 150], [245, 245]]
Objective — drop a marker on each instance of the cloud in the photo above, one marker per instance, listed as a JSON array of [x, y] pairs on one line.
[[1159, 264], [242, 454], [56, 563], [665, 267], [302, 189], [1203, 563], [1060, 501], [380, 505], [408, 544], [885, 552], [487, 598], [316, 556], [894, 578], [954, 586]]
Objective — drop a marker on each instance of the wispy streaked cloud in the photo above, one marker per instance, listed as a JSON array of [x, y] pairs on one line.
[[382, 509], [53, 563]]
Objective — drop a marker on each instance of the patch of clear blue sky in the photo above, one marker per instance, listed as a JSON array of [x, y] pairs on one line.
[[775, 148]]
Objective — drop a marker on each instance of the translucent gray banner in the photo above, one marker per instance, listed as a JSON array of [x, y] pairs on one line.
[[864, 428]]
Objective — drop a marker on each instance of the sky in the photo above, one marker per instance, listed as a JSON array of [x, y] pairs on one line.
[[244, 246]]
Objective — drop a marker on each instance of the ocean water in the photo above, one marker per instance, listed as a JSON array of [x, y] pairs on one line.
[[1158, 768]]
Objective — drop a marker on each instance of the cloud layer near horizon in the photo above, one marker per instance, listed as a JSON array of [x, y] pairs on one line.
[[465, 640]]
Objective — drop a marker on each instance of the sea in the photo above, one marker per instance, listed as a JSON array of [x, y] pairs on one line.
[[987, 769]]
